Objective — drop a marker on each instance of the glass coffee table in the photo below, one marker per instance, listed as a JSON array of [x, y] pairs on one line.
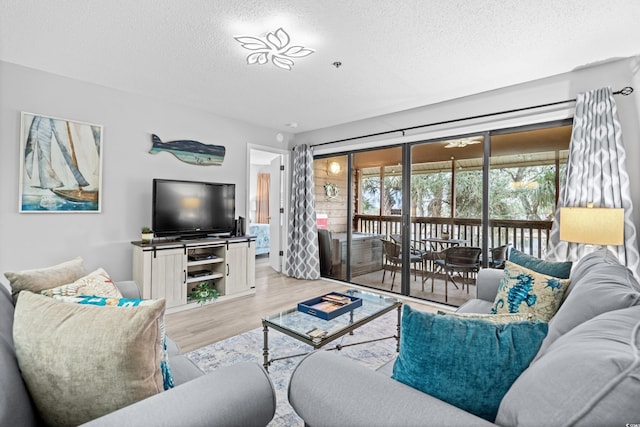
[[298, 325]]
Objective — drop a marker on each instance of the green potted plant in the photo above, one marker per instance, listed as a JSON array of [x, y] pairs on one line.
[[203, 293], [147, 234]]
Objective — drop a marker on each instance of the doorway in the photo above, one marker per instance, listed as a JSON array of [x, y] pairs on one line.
[[266, 202]]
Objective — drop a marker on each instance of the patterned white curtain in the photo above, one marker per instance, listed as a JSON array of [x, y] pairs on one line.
[[596, 172], [302, 257]]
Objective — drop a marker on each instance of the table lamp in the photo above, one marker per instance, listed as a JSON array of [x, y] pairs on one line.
[[592, 226]]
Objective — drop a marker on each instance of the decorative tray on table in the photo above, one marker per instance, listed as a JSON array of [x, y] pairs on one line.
[[330, 306]]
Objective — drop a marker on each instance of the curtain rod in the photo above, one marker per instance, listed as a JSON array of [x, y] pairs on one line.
[[627, 90]]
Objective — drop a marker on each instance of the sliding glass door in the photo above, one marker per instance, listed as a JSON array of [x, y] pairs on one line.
[[376, 219], [390, 217], [526, 173], [446, 212], [332, 202]]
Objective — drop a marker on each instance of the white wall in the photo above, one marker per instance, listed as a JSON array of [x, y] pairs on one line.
[[31, 240], [616, 74], [35, 240]]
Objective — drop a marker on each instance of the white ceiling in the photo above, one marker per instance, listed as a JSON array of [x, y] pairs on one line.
[[395, 54]]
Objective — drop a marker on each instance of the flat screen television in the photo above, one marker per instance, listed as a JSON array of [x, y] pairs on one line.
[[191, 209]]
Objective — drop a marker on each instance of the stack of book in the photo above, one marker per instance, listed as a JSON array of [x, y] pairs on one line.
[[331, 302]]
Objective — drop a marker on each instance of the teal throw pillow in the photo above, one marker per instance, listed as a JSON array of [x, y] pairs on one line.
[[167, 376], [469, 363], [561, 270]]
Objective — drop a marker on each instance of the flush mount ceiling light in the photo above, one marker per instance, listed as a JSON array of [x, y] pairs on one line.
[[275, 47], [462, 142]]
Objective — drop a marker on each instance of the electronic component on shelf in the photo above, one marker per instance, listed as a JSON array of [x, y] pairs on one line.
[[199, 273], [200, 257]]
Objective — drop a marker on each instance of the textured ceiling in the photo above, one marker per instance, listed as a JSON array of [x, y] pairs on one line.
[[395, 54]]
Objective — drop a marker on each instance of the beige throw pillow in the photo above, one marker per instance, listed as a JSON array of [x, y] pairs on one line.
[[525, 291], [80, 362], [493, 318], [39, 279], [96, 283]]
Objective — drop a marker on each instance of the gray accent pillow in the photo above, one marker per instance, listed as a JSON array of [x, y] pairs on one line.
[[588, 377], [39, 279], [610, 286], [80, 362]]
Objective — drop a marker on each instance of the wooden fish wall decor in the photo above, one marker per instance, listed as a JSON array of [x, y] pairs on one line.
[[189, 151]]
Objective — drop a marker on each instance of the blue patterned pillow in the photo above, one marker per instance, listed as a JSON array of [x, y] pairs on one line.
[[469, 363], [167, 377], [561, 270]]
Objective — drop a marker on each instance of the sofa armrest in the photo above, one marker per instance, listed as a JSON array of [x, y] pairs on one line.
[[487, 283], [327, 389], [129, 289], [237, 395]]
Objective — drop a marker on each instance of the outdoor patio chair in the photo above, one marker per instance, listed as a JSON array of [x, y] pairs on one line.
[[498, 256], [393, 260], [417, 247], [463, 260]]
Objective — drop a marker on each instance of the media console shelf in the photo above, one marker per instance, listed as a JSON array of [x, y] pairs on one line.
[[173, 269]]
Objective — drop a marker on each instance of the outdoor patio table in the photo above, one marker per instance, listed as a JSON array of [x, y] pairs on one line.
[[438, 244]]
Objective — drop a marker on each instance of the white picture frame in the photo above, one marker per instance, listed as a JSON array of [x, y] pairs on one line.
[[60, 165]]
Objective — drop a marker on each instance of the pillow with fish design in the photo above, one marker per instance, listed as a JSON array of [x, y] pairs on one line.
[[523, 290]]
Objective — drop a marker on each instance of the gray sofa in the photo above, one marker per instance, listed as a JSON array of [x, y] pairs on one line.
[[586, 372], [239, 395]]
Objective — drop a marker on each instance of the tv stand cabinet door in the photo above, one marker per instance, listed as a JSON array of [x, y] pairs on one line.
[[168, 271], [251, 265], [237, 278]]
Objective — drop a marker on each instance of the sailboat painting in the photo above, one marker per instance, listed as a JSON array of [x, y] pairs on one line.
[[60, 165]]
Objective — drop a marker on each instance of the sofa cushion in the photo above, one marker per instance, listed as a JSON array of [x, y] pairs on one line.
[[183, 369], [15, 404], [476, 305], [81, 361], [96, 283], [610, 286], [561, 270], [589, 377], [469, 363], [39, 279], [589, 263], [523, 290]]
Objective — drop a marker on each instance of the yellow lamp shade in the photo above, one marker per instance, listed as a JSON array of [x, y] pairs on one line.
[[595, 226]]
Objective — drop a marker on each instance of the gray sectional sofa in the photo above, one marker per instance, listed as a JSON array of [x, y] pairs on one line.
[[586, 372], [239, 395]]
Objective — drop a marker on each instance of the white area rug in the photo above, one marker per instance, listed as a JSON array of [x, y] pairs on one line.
[[248, 347]]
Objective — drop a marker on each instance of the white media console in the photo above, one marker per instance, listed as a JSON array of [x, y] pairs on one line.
[[172, 269]]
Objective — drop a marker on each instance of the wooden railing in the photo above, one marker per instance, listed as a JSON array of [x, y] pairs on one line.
[[527, 236]]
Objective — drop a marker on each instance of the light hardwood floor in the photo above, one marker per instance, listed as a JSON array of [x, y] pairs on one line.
[[192, 329]]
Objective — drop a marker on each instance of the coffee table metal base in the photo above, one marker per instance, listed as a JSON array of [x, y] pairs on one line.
[[316, 344]]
